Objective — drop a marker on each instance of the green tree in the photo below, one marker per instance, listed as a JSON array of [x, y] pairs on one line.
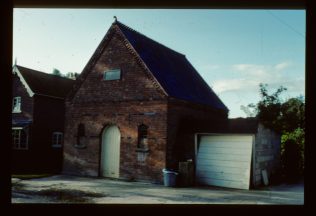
[[292, 153], [269, 108], [286, 118], [56, 72], [72, 75], [293, 114]]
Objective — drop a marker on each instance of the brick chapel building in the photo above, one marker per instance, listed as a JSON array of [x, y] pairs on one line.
[[129, 113]]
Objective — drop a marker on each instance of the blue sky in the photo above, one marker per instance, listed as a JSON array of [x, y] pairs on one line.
[[233, 50]]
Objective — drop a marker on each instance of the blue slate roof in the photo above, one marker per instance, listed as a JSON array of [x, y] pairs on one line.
[[172, 70]]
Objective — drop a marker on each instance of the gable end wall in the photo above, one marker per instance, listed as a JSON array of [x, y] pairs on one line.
[[127, 103]]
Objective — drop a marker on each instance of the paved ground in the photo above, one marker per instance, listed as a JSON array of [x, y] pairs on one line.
[[70, 189]]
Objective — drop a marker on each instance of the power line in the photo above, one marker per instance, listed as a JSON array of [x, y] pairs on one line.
[[283, 22]]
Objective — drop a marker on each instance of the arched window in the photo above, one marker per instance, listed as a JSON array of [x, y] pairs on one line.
[[142, 136]]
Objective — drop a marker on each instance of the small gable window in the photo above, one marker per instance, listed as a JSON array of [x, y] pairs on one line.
[[114, 74], [57, 139], [19, 139], [16, 105]]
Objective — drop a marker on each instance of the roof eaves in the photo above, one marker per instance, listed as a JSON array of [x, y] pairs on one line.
[[15, 69], [45, 95]]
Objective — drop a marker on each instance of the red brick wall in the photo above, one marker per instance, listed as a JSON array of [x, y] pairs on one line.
[[127, 116], [99, 103], [134, 85]]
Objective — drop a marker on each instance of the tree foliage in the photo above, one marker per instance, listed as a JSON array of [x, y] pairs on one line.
[[69, 75], [287, 118], [292, 153], [72, 75], [56, 72], [269, 109], [293, 114]]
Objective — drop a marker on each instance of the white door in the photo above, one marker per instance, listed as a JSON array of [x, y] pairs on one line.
[[224, 160], [110, 152]]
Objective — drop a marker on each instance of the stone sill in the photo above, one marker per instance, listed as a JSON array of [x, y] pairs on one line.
[[144, 150], [80, 146]]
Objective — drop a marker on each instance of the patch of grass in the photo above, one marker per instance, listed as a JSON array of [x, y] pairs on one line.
[[30, 176]]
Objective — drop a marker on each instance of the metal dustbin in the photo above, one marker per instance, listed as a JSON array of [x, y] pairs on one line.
[[169, 178]]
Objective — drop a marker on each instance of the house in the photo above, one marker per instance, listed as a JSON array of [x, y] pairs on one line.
[[124, 113], [37, 120], [139, 107]]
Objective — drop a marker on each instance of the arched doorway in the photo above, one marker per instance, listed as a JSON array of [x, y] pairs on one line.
[[110, 152]]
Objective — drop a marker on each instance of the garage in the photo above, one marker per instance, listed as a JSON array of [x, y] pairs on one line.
[[240, 154], [224, 160]]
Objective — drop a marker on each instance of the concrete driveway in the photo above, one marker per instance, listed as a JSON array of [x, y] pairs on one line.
[[70, 189]]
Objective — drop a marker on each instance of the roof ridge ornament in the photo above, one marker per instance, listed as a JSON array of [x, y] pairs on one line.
[[115, 19]]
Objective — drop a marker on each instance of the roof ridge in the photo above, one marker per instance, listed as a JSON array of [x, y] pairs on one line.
[[129, 28]]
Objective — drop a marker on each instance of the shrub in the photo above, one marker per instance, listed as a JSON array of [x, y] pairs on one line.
[[292, 154]]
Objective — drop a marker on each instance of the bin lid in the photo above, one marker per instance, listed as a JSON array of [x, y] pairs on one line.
[[169, 171]]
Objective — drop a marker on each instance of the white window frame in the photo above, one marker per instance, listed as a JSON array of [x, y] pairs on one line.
[[59, 139], [18, 147], [112, 71], [16, 105]]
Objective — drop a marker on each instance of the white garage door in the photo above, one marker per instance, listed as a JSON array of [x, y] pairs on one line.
[[224, 160]]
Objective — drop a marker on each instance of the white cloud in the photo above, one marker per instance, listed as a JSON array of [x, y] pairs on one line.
[[221, 86], [250, 75], [251, 69], [209, 67], [282, 66], [241, 87]]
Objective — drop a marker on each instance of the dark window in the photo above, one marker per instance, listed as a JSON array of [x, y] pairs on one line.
[[142, 136], [19, 139]]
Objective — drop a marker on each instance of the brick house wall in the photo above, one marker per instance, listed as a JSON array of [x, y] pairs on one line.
[[22, 159], [47, 116], [125, 103]]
